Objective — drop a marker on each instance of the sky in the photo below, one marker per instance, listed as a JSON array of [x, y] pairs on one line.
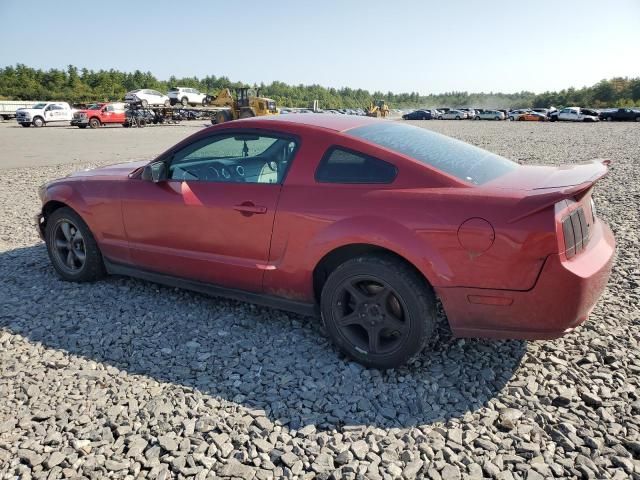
[[399, 46]]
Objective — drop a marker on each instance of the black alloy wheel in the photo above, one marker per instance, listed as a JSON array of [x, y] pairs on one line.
[[378, 310], [370, 314], [72, 248]]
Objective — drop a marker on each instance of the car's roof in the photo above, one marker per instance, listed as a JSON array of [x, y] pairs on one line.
[[339, 123]]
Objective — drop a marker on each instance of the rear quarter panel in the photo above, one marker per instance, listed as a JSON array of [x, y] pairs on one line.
[[416, 217]]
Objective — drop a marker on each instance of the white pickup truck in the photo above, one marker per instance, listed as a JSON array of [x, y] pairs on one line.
[[575, 114], [42, 113]]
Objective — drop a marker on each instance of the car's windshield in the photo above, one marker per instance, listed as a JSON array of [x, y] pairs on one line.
[[95, 106], [464, 161], [39, 105]]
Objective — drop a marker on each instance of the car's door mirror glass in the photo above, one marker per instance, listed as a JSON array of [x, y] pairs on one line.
[[155, 172]]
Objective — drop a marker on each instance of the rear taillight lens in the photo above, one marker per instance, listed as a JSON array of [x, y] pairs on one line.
[[576, 230]]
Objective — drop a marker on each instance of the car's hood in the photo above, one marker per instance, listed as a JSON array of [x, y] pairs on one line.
[[121, 170], [543, 177], [30, 110]]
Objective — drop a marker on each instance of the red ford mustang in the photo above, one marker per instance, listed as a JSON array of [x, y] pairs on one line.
[[366, 221]]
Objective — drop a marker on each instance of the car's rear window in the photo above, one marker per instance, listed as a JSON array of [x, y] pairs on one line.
[[464, 161]]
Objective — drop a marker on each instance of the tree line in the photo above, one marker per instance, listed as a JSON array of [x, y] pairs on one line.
[[74, 85]]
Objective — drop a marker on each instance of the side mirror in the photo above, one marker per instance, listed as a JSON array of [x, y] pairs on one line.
[[155, 172]]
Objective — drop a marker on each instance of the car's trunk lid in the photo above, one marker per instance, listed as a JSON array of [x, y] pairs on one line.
[[546, 178]]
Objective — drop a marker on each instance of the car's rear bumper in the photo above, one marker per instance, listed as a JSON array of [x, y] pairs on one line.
[[565, 293]]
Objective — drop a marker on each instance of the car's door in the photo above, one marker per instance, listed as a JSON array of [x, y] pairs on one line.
[[212, 219], [49, 113]]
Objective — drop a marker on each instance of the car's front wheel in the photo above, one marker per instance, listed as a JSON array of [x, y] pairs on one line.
[[378, 310], [38, 122], [72, 249], [94, 123]]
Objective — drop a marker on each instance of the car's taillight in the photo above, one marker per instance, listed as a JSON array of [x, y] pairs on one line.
[[576, 232]]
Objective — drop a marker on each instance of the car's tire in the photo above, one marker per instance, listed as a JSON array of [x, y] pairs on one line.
[[458, 117], [144, 103], [38, 122], [26, 125], [497, 118], [637, 119], [173, 101], [82, 126], [95, 123], [389, 307], [167, 103], [440, 117], [126, 125], [184, 101], [73, 250], [205, 102]]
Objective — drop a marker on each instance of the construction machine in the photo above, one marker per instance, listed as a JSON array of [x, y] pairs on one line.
[[378, 109], [244, 105]]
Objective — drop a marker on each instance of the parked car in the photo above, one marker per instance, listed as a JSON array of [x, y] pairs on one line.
[[489, 115], [147, 97], [44, 113], [386, 217], [453, 115], [99, 114], [187, 96], [471, 113], [574, 114], [543, 111], [532, 117], [418, 115], [621, 115], [515, 114]]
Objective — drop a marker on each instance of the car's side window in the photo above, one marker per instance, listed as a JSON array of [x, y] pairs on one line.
[[339, 165], [236, 158]]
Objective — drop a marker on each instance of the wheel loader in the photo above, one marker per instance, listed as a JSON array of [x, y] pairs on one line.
[[378, 109], [243, 105]]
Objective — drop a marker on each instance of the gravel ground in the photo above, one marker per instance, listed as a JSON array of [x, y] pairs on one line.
[[127, 379]]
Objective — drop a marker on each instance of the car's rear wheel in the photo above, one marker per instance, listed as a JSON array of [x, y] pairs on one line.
[[72, 249], [184, 101], [94, 123], [458, 117], [378, 310]]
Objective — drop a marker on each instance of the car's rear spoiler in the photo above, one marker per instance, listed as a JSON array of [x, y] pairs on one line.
[[577, 182]]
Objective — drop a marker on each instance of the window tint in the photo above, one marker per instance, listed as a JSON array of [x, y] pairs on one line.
[[464, 161], [344, 166], [239, 158]]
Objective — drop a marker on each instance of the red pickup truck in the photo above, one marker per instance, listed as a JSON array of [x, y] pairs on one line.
[[99, 114]]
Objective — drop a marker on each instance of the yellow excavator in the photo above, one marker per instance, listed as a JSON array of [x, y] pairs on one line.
[[243, 105], [378, 109]]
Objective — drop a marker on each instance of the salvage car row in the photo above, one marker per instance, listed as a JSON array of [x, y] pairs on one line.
[[569, 114]]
